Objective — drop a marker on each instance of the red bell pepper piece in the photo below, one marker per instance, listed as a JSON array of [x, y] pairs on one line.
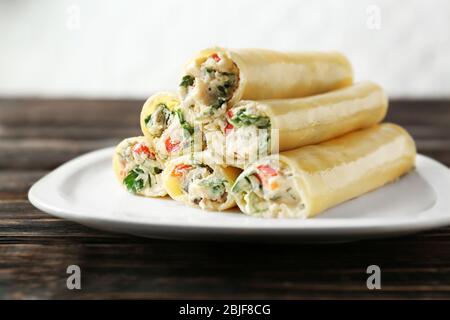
[[267, 170], [180, 169], [172, 146], [216, 57], [229, 127], [140, 148]]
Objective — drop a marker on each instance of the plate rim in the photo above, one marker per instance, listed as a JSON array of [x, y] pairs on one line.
[[364, 226]]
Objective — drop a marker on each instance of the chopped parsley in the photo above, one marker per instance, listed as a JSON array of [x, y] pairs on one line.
[[222, 91], [132, 182], [218, 104], [241, 119], [146, 120], [160, 115], [216, 186], [156, 170], [184, 124], [187, 81]]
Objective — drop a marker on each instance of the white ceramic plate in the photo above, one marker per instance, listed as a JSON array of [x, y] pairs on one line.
[[85, 190]]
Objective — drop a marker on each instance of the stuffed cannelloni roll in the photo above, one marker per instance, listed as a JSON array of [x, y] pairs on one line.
[[197, 181], [257, 128], [306, 181], [137, 168], [217, 78], [165, 126]]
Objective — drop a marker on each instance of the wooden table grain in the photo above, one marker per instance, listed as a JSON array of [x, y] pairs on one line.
[[37, 135]]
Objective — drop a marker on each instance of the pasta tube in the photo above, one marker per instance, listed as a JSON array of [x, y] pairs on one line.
[[304, 182], [257, 128], [137, 169], [217, 78], [197, 181], [165, 126]]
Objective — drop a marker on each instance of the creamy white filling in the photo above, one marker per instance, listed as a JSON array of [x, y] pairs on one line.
[[216, 80], [174, 136], [239, 143], [159, 120], [205, 186], [269, 190], [247, 144], [156, 188], [134, 159]]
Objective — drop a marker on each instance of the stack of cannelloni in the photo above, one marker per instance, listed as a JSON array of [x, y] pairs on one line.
[[280, 134]]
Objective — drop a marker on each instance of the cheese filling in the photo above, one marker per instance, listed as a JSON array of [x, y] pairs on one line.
[[247, 132], [158, 121], [268, 189], [203, 185], [172, 134], [244, 138], [141, 172], [209, 85]]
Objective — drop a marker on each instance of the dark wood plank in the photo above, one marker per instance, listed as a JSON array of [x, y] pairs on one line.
[[69, 112], [19, 219], [420, 112], [164, 269], [15, 184], [33, 154], [67, 132]]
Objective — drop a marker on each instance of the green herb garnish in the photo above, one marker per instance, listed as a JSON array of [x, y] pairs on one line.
[[219, 102], [184, 124], [162, 114], [216, 186], [132, 182], [156, 170], [187, 81], [241, 119], [222, 91]]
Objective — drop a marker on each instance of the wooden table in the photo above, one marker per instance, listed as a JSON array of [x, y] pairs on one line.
[[35, 248]]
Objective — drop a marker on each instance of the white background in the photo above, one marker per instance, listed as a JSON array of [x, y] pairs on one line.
[[101, 48]]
